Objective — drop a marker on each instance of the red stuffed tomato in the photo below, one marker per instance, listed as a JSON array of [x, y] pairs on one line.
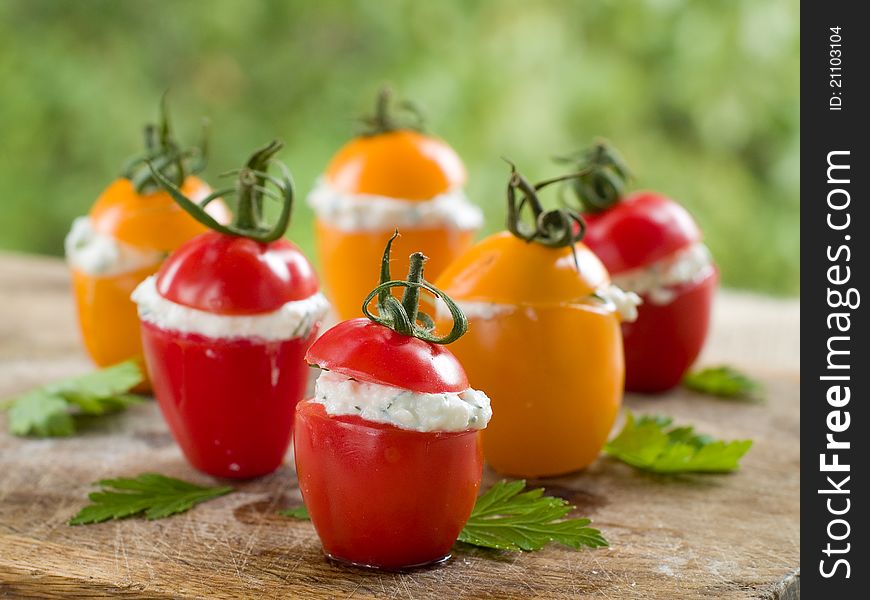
[[651, 246], [226, 323], [388, 451]]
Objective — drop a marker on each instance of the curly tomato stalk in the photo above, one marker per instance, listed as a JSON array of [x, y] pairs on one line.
[[604, 180], [250, 189], [384, 120], [554, 228], [164, 154], [405, 317]]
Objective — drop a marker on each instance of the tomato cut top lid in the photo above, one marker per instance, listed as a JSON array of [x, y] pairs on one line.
[[370, 352], [639, 230], [402, 164], [505, 269], [230, 275], [151, 220]]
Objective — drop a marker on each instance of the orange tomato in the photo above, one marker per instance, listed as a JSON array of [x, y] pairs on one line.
[[107, 317], [401, 164], [549, 357], [343, 254], [152, 222]]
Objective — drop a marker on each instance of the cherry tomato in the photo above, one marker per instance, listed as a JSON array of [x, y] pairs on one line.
[[134, 212], [379, 495], [342, 254], [382, 496], [665, 340], [230, 275], [635, 233], [550, 358], [396, 162], [229, 398], [541, 341], [150, 222], [400, 163], [639, 230], [229, 403], [370, 352]]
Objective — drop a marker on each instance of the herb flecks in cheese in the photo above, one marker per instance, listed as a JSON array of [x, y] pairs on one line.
[[449, 411]]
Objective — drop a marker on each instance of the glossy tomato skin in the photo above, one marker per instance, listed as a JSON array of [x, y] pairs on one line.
[[550, 358], [384, 497], [402, 164], [230, 275], [345, 257], [555, 401], [639, 230], [366, 351], [107, 317], [229, 403], [152, 220], [665, 340]]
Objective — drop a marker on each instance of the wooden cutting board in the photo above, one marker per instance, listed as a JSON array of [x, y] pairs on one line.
[[733, 536]]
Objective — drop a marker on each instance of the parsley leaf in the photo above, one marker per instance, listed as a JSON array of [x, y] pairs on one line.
[[157, 496], [650, 443], [506, 518], [299, 512], [725, 382], [50, 410], [40, 414]]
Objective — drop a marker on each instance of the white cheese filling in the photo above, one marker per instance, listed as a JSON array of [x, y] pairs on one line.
[[612, 297], [295, 319], [657, 281], [625, 303], [102, 255], [366, 212], [477, 310], [402, 408]]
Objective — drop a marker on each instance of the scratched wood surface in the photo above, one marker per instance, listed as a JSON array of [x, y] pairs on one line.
[[734, 536]]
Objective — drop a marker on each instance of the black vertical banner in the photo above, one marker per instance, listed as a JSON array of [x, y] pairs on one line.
[[835, 224]]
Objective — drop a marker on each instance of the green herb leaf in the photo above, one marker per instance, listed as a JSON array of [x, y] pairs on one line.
[[299, 512], [157, 496], [50, 410], [110, 381], [101, 405], [507, 518], [40, 414], [651, 444], [725, 382]]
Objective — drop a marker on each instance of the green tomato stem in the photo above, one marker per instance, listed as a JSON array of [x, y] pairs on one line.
[[605, 177], [555, 228], [405, 317], [250, 189], [165, 154]]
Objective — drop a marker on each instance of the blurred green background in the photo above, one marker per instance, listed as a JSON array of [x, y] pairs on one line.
[[700, 96]]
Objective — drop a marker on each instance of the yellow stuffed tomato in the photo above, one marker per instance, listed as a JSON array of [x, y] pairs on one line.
[[394, 176], [543, 338], [130, 229]]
